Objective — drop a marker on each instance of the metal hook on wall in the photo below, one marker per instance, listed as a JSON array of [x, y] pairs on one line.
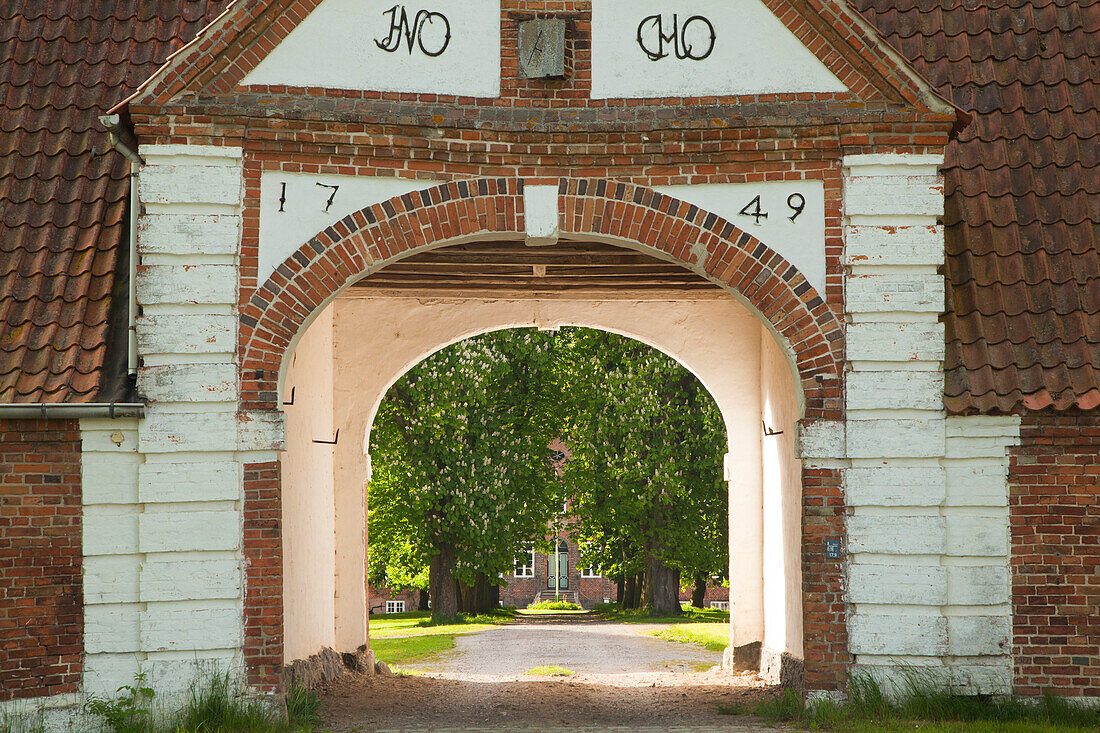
[[288, 404], [768, 432], [334, 441]]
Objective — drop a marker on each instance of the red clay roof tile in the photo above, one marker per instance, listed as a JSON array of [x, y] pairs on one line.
[[1023, 187], [62, 194], [1023, 208]]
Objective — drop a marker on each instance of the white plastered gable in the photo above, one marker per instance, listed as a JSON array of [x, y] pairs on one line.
[[443, 47], [669, 48]]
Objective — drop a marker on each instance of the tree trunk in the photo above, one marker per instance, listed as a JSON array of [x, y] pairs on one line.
[[483, 599], [423, 604], [441, 581], [636, 596], [467, 598], [699, 592], [661, 595], [620, 589], [627, 598], [494, 596]]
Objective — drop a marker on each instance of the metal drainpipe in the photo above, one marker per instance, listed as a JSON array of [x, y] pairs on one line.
[[114, 124], [111, 410]]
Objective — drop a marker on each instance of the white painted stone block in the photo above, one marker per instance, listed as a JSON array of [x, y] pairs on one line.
[[190, 184], [900, 342], [172, 673], [978, 585], [189, 234], [261, 431], [889, 164], [887, 292], [895, 390], [190, 284], [978, 447], [977, 535], [227, 155], [111, 579], [105, 673], [974, 636], [188, 482], [215, 382], [894, 195], [108, 436], [902, 438], [894, 246], [821, 439], [169, 431], [166, 628], [896, 534], [540, 215], [977, 484], [109, 478], [110, 530], [985, 426], [897, 583], [895, 486], [186, 334], [900, 633], [111, 629], [180, 530], [993, 677], [184, 580]]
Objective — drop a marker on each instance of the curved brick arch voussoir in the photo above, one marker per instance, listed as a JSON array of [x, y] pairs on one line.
[[382, 233]]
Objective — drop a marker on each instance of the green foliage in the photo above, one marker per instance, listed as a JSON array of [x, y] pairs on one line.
[[553, 606], [715, 637], [127, 712], [461, 457], [645, 475], [550, 671]]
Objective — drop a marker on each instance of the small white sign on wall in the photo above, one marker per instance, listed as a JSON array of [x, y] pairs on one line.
[[426, 46], [678, 48], [294, 207], [788, 216]]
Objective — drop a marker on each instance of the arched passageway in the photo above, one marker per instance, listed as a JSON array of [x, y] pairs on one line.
[[359, 341]]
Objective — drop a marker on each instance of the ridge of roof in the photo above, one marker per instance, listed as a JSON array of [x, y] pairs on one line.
[[223, 54]]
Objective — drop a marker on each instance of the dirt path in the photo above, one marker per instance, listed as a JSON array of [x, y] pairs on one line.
[[619, 653], [624, 680]]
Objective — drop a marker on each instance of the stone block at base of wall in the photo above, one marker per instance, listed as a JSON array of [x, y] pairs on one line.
[[325, 666], [781, 668]]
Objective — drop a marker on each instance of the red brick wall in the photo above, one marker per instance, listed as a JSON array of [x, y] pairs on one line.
[[1054, 484], [263, 597], [41, 592]]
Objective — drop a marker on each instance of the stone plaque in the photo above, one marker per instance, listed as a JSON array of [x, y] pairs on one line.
[[542, 48]]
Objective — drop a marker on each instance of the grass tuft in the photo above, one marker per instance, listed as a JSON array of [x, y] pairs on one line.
[[919, 702], [715, 637], [302, 707], [550, 671], [688, 615]]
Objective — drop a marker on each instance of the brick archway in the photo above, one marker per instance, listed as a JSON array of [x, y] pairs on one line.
[[610, 211], [373, 237]]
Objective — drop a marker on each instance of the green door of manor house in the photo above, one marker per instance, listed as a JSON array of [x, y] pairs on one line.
[[558, 580]]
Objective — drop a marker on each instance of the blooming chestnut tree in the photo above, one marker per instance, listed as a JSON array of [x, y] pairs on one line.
[[462, 470], [645, 476]]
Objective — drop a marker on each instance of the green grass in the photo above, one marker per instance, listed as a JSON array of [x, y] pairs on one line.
[[407, 649], [690, 615], [554, 606], [713, 636], [423, 623], [550, 671], [216, 705], [921, 705]]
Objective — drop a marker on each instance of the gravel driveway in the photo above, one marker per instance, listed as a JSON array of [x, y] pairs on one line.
[[618, 653]]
